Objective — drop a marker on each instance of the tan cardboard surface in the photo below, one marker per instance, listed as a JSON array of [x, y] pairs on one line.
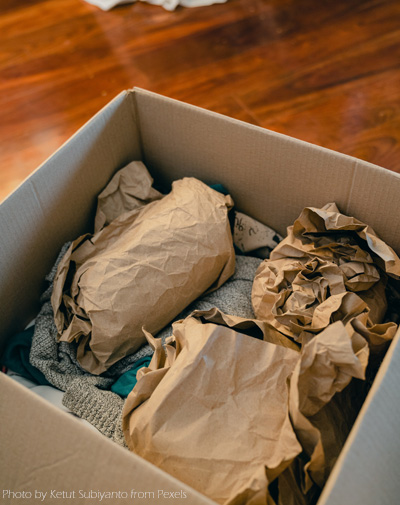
[[271, 177], [54, 205], [48, 450], [367, 471]]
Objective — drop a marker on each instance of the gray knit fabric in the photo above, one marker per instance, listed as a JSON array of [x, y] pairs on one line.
[[86, 395], [102, 409]]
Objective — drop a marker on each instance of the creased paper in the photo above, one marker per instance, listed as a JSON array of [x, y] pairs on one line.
[[327, 364], [129, 189], [143, 268], [213, 410], [330, 267], [326, 233]]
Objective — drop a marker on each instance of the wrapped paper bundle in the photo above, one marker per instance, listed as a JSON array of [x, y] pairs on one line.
[[213, 411], [143, 268]]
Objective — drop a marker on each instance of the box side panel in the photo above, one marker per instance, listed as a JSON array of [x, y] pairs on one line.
[[56, 204], [367, 471], [270, 176], [52, 451], [374, 199]]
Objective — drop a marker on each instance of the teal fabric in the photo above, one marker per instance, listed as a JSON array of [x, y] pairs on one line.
[[220, 188], [126, 382], [16, 357]]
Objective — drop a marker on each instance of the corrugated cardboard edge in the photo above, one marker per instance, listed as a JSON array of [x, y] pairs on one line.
[[74, 458], [367, 470]]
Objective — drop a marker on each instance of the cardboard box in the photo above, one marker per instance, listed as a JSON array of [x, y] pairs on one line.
[[271, 177]]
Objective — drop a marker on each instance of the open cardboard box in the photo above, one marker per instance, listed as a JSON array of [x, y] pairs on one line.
[[270, 177]]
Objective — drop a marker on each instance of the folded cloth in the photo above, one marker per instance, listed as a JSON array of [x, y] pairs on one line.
[[16, 357], [102, 409], [57, 361]]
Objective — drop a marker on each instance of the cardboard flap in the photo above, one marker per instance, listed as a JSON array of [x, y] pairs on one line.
[[55, 452]]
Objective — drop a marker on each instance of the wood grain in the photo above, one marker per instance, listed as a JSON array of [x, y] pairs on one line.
[[322, 71]]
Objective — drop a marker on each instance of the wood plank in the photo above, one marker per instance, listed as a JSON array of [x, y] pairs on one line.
[[326, 72]]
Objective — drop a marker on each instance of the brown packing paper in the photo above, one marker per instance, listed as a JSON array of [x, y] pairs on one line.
[[288, 489], [130, 188], [327, 269], [324, 401], [333, 423], [213, 410], [328, 363], [326, 233], [324, 287], [142, 269]]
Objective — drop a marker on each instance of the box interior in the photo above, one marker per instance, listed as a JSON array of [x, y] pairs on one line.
[[270, 177]]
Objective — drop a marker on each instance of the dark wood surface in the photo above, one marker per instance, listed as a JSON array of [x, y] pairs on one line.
[[320, 70]]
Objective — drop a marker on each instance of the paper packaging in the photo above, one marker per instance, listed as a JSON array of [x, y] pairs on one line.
[[190, 404], [268, 176], [209, 418], [144, 268], [321, 272]]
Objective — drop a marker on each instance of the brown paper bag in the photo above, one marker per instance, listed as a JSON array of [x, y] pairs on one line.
[[330, 267], [143, 268], [213, 410]]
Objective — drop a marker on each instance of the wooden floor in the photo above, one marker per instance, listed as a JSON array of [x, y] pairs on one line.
[[320, 70]]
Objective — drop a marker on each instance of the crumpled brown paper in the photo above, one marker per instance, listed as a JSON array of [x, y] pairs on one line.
[[330, 267], [328, 362], [323, 404], [213, 410], [326, 233], [130, 188], [143, 268]]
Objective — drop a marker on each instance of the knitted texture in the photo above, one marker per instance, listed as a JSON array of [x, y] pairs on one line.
[[102, 409], [86, 395]]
